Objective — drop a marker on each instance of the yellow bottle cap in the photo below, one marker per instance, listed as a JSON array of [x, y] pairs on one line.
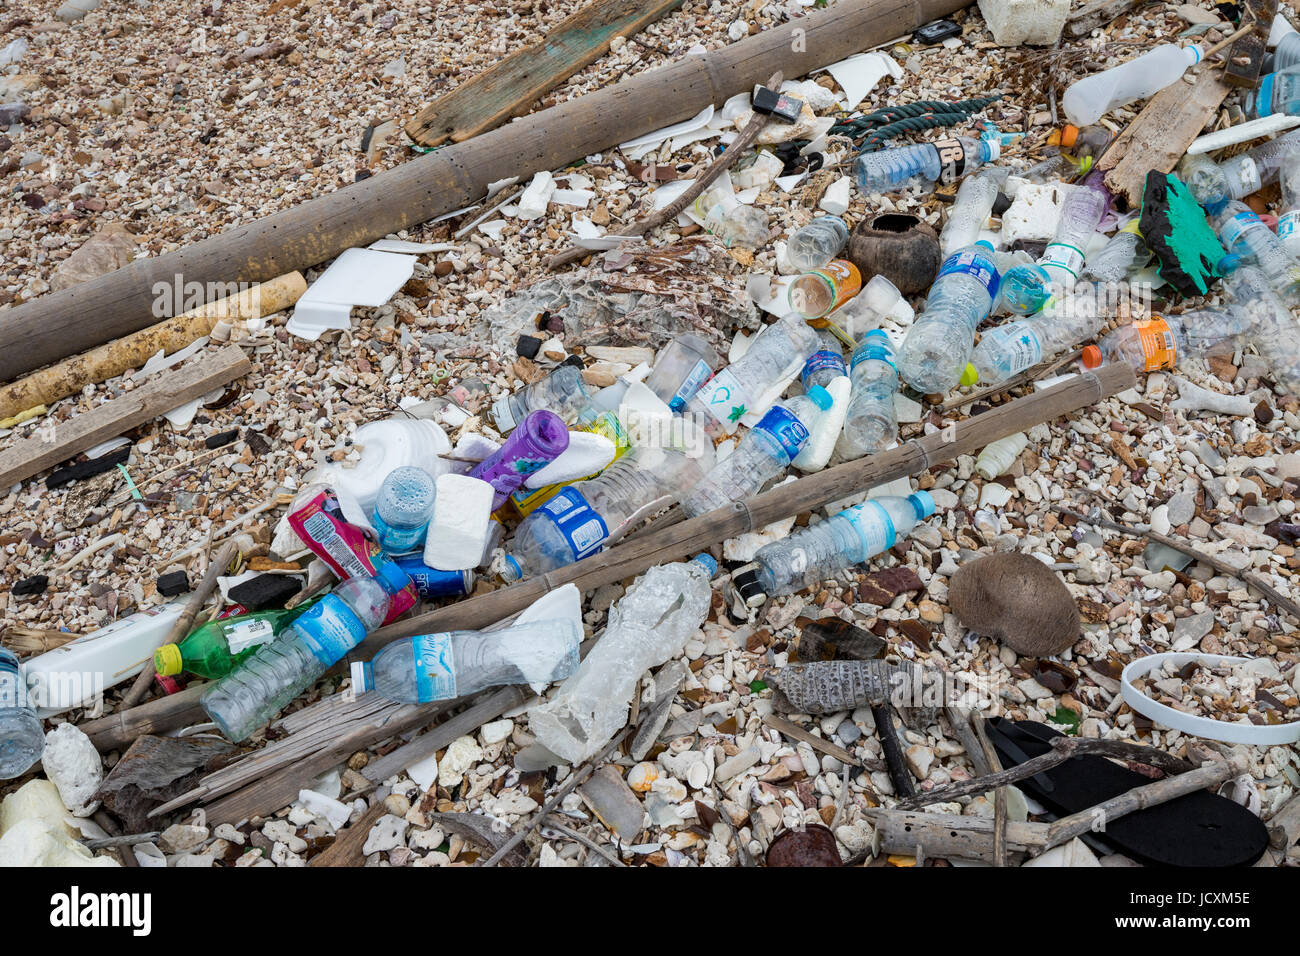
[[969, 376], [167, 660]]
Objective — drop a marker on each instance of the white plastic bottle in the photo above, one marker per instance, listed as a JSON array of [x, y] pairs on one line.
[[997, 457], [21, 739], [779, 351], [453, 664], [817, 552], [261, 686], [871, 424], [650, 624], [387, 445], [769, 448], [1089, 99], [945, 160], [971, 209]]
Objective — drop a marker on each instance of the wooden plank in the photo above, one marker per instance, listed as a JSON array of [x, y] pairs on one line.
[[511, 86], [1246, 56], [1159, 135], [159, 394]]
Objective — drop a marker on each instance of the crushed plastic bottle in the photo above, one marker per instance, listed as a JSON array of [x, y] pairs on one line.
[[996, 458], [779, 351], [22, 741], [938, 345], [971, 209], [1272, 326], [1236, 178], [1081, 213], [1012, 347], [1161, 342], [260, 687], [681, 368], [403, 509], [824, 290], [429, 667], [816, 244], [878, 301], [1289, 217], [650, 624], [1125, 253], [562, 392], [1246, 236], [815, 553], [769, 448], [1084, 145], [732, 222], [871, 424], [213, 650], [945, 160], [1089, 99]]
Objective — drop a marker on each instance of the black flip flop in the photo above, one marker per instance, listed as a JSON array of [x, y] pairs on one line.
[[1198, 829]]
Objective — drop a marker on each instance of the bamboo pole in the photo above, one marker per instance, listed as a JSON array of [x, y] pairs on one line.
[[53, 326]]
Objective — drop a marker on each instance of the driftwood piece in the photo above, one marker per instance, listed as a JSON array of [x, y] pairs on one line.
[[949, 836], [349, 842], [1246, 55], [153, 771], [999, 795], [1097, 14], [795, 732]]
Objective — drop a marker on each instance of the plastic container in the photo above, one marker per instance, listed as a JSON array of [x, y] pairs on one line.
[[213, 650], [945, 160], [737, 225], [1278, 92], [997, 457], [562, 392], [681, 368], [1081, 213], [1015, 346], [387, 445], [825, 365], [1089, 99], [403, 509], [1084, 144], [970, 211], [650, 624], [1163, 341], [21, 739], [871, 424], [540, 438], [1124, 254], [429, 667], [817, 243], [824, 290]]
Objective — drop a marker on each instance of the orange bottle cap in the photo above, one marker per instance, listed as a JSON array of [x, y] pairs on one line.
[[1091, 356], [1069, 135]]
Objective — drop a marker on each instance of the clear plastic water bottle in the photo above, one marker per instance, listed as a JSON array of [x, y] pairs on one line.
[[1163, 341], [1124, 254], [817, 552], [1285, 42], [562, 392], [1089, 99], [945, 160], [650, 624], [938, 345], [1289, 219], [265, 683], [817, 243], [826, 364], [1211, 183], [778, 352], [1278, 92], [21, 739], [403, 509], [971, 209], [1015, 346], [428, 667], [735, 224], [1081, 213], [1246, 236], [681, 368], [579, 519], [769, 448], [1273, 326], [872, 422]]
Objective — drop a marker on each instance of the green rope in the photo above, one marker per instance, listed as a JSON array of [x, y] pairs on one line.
[[884, 124]]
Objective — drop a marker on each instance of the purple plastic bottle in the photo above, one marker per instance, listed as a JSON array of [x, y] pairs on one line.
[[538, 441]]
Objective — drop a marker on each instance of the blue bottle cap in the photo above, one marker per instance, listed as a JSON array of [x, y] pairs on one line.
[[986, 244], [922, 504], [392, 578], [820, 397], [1228, 264], [706, 560]]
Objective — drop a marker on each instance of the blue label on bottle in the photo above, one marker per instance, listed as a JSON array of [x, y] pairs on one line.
[[875, 346], [330, 629], [1235, 227], [1286, 223], [785, 427], [697, 377], [13, 691], [580, 524], [435, 671], [398, 540], [874, 527], [822, 360], [973, 264]]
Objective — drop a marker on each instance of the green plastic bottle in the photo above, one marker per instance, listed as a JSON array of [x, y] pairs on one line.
[[214, 649]]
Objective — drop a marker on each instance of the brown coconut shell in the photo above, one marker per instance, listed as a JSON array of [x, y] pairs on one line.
[[1018, 600], [900, 247]]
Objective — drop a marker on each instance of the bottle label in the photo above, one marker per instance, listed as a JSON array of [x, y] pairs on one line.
[[952, 159], [1237, 226], [330, 629], [785, 427], [697, 377], [1157, 343], [240, 637], [974, 264], [1018, 341], [435, 667], [580, 524], [1063, 256], [1286, 223], [874, 527], [822, 360], [13, 689], [1243, 176], [724, 397], [874, 348]]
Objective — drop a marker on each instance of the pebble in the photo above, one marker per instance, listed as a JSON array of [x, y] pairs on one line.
[[388, 833]]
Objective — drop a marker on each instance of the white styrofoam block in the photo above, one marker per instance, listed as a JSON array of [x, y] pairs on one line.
[[357, 277], [1034, 213], [587, 454], [333, 812], [1020, 22], [462, 511], [816, 452], [835, 200], [74, 765], [37, 842], [35, 800], [533, 200]]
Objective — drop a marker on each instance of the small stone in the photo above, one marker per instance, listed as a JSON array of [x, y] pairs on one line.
[[497, 731], [930, 612], [389, 832], [919, 759], [180, 837], [1180, 509], [459, 757], [1188, 631]]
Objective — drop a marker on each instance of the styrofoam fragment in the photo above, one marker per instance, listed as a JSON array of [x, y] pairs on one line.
[[459, 529]]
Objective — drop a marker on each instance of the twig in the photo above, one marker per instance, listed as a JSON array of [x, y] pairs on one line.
[[1024, 378], [999, 795], [899, 775], [570, 834], [1254, 580], [92, 549], [720, 165], [812, 740], [1233, 38]]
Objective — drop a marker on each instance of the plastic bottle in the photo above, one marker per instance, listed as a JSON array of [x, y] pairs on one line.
[[1089, 99], [872, 422], [938, 345], [1124, 254], [777, 352], [578, 520], [1161, 342], [540, 438], [1278, 92], [768, 449], [403, 509], [817, 243], [945, 160], [562, 392], [650, 624], [1273, 327], [428, 667], [997, 457], [817, 552], [1245, 235], [733, 223], [824, 290], [21, 739], [212, 650], [1081, 213], [971, 209], [824, 365], [1011, 348], [1085, 144], [1285, 42], [681, 368], [260, 687], [1289, 179]]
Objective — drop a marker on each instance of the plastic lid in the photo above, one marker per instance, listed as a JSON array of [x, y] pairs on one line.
[[969, 376], [167, 660], [1068, 136], [392, 578], [1091, 356], [512, 571], [820, 397], [1228, 264], [362, 677], [1264, 96], [922, 503], [706, 560]]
